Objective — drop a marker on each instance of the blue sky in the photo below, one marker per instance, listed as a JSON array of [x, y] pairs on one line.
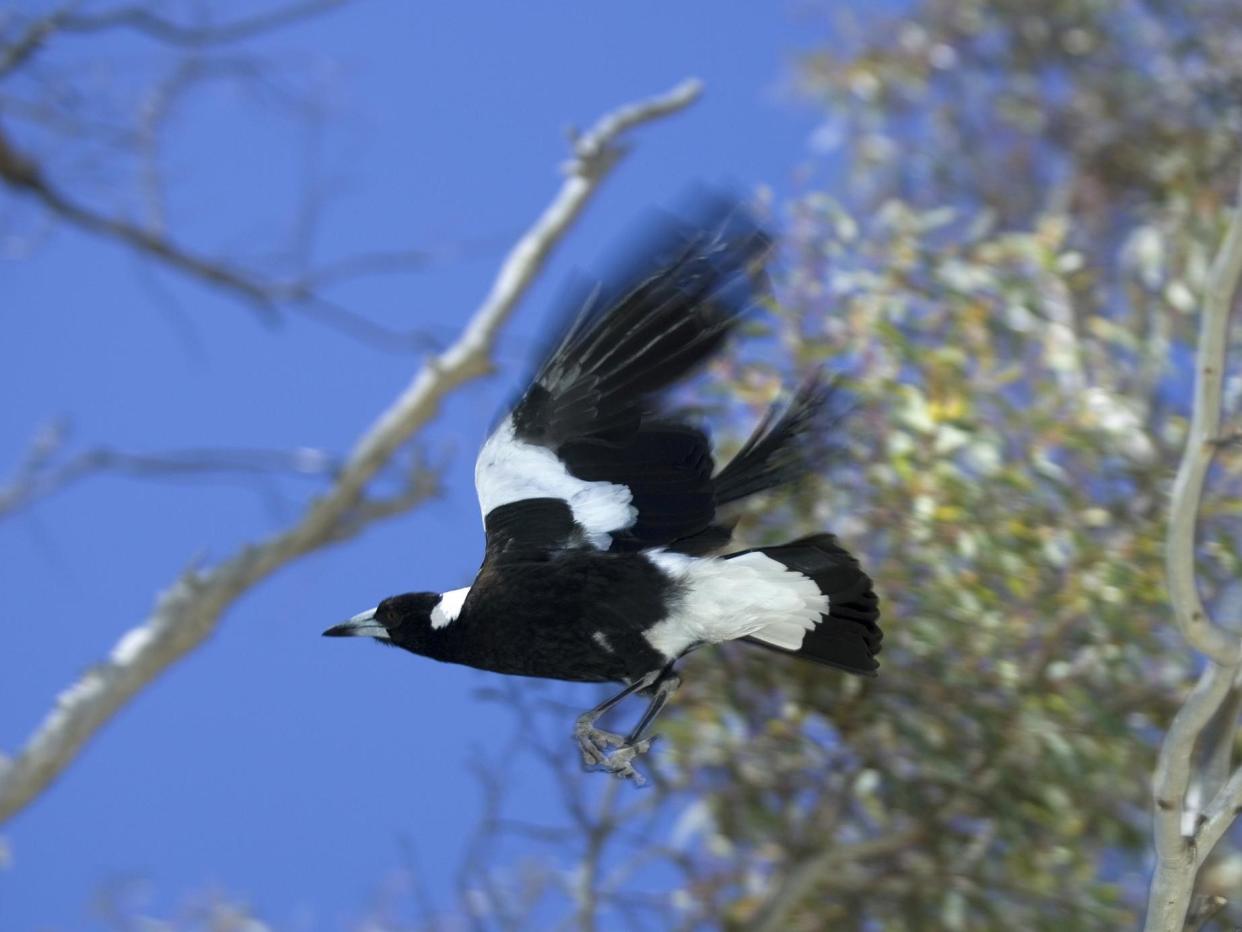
[[273, 764]]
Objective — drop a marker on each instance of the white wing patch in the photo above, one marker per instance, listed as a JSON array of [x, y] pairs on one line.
[[509, 470], [748, 596], [449, 607]]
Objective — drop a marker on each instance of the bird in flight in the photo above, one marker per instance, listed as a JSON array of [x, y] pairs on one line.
[[606, 519]]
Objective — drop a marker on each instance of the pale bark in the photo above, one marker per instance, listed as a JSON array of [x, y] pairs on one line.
[[1180, 848]]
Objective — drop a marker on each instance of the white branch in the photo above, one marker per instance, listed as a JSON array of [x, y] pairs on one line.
[[1178, 856], [189, 610], [1218, 817], [1217, 643]]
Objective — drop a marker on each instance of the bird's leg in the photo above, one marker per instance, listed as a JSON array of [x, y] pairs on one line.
[[592, 740], [620, 762], [665, 686]]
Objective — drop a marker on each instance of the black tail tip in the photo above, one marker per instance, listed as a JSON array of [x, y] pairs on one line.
[[848, 637]]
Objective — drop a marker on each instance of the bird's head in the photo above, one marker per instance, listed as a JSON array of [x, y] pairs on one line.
[[402, 620]]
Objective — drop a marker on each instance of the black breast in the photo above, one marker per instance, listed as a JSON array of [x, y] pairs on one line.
[[568, 615]]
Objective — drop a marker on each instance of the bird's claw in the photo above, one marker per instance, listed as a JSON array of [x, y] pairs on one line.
[[620, 763], [593, 743]]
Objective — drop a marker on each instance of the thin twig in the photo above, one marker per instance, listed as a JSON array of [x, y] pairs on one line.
[[143, 21], [26, 172], [188, 611], [22, 174], [43, 480], [30, 41], [266, 296]]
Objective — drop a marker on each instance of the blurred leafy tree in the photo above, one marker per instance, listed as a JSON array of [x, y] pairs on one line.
[[1008, 269]]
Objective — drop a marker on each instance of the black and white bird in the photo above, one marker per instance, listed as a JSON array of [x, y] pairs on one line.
[[602, 508]]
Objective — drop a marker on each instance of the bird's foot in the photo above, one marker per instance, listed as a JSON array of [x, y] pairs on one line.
[[620, 763], [594, 744]]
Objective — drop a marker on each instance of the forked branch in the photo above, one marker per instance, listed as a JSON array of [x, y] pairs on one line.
[[1181, 849]]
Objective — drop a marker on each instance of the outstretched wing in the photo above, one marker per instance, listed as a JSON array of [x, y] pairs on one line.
[[584, 456]]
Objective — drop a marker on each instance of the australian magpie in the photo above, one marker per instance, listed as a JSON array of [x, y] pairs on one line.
[[602, 507]]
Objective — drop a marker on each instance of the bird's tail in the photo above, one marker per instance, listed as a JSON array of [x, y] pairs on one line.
[[790, 441], [847, 636]]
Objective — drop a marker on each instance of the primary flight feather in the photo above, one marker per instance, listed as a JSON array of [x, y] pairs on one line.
[[602, 507]]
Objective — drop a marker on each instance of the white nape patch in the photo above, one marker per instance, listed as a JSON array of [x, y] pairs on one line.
[[449, 607], [748, 596], [602, 640], [509, 470]]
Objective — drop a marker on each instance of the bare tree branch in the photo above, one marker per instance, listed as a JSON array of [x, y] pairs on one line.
[[188, 611], [266, 296], [137, 18], [142, 20], [587, 855], [21, 173], [17, 52], [39, 476], [1179, 855], [25, 172]]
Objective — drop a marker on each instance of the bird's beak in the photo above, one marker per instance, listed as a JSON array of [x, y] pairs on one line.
[[361, 625]]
